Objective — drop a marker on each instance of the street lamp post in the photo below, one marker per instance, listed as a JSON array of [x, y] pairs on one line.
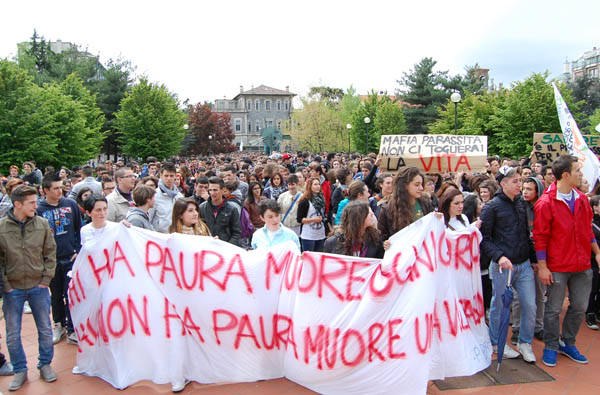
[[348, 127], [367, 122], [455, 97]]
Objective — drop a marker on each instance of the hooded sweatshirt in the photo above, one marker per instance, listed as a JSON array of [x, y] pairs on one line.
[[65, 222]]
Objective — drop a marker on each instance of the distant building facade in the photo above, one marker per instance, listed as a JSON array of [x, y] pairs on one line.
[[254, 110], [587, 64]]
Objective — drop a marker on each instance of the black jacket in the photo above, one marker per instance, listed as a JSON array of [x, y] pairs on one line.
[[335, 245], [504, 229], [226, 224]]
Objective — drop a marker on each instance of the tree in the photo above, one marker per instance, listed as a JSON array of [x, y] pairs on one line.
[[424, 90], [594, 121], [209, 132], [53, 125], [587, 91], [317, 126], [333, 95], [386, 117], [111, 89], [471, 82], [473, 116], [150, 122], [45, 65], [73, 87]]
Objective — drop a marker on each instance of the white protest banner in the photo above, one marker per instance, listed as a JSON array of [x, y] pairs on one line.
[[433, 153], [576, 145], [148, 306]]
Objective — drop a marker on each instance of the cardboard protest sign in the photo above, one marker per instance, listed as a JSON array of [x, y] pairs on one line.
[[549, 146], [433, 153], [149, 306]]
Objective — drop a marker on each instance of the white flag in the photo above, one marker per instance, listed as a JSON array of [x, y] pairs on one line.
[[574, 141], [241, 145]]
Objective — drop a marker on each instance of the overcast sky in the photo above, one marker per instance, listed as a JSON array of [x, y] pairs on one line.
[[204, 50]]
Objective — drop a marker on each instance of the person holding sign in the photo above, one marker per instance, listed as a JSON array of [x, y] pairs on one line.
[[405, 205]]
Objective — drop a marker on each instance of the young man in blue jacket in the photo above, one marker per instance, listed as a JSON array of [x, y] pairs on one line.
[[64, 218]]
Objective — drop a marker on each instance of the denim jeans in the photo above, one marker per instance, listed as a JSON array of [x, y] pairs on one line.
[[524, 283], [312, 245], [60, 298], [540, 291], [579, 284], [39, 301]]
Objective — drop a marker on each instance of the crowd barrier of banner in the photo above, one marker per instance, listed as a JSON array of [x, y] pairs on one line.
[[549, 146], [149, 306], [433, 153]]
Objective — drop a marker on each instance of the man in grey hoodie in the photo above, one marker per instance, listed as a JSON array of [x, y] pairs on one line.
[[532, 190]]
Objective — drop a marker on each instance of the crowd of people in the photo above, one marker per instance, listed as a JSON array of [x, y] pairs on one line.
[[539, 221]]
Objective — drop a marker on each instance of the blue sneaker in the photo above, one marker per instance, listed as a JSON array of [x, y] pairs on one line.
[[549, 357], [572, 352]]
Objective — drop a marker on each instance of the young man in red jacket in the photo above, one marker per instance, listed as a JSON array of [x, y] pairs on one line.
[[563, 238]]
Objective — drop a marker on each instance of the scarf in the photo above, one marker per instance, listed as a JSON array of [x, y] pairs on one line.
[[170, 192], [319, 203]]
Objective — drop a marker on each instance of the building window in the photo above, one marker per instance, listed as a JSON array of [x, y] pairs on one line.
[[238, 125], [257, 105], [286, 105], [278, 105], [249, 105], [267, 105], [257, 126], [269, 123]]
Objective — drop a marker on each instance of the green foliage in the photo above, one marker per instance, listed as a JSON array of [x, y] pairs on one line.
[[386, 118], [529, 108], [473, 115], [73, 87], [53, 125], [46, 66], [150, 122], [425, 90], [317, 127], [587, 91], [594, 121], [508, 117], [111, 89]]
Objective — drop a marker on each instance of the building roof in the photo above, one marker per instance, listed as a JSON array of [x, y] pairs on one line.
[[265, 90]]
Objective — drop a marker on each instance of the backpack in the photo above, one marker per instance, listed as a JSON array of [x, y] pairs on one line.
[[245, 224]]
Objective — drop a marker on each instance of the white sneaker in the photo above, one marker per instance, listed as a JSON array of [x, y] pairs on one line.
[[26, 308], [179, 385], [526, 352], [72, 338], [509, 353], [58, 333]]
